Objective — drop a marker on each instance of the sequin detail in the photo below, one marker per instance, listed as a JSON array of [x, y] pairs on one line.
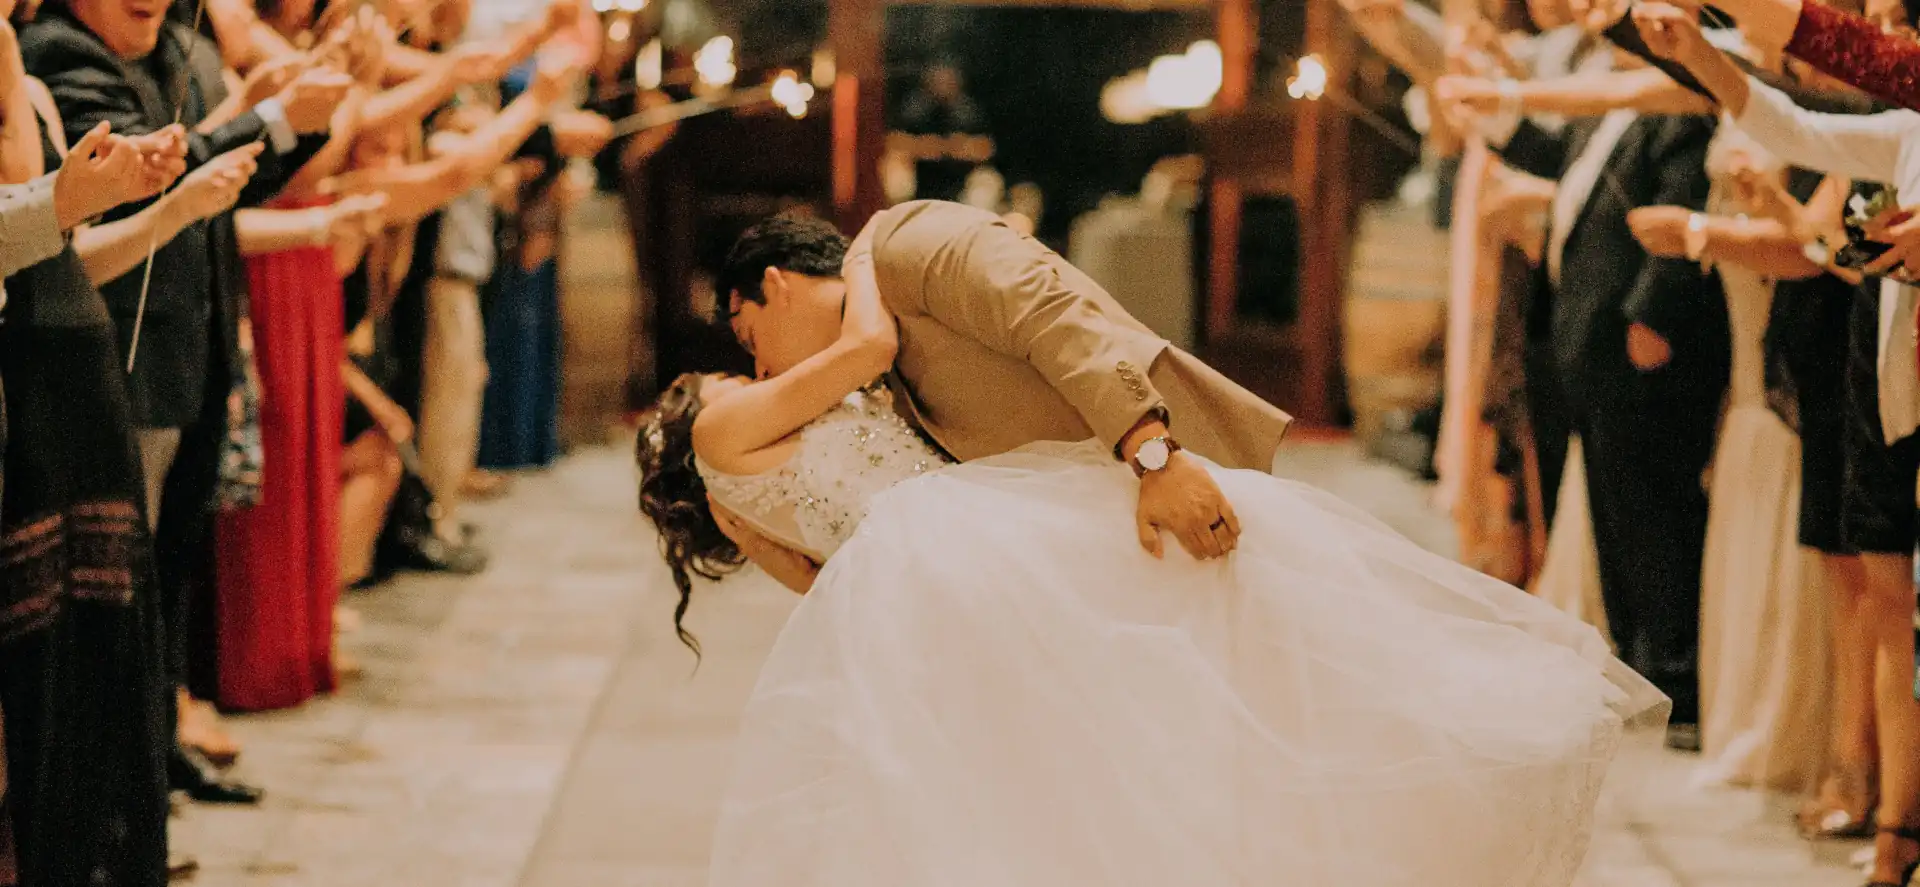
[[1854, 49], [856, 451]]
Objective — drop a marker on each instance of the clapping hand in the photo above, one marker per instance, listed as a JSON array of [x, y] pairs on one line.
[[215, 187], [104, 171], [309, 102]]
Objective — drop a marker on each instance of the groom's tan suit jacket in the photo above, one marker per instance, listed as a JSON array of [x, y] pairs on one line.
[[1002, 344]]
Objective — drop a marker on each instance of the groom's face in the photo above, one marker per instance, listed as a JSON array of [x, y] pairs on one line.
[[798, 317]]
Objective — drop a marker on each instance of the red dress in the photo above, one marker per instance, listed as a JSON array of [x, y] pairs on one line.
[[1853, 49], [279, 560]]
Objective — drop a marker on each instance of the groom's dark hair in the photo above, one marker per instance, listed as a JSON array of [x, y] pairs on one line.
[[791, 241]]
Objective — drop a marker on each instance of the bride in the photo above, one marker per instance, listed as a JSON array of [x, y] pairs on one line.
[[990, 682]]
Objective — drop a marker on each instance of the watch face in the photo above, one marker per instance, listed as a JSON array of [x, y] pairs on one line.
[[1153, 455]]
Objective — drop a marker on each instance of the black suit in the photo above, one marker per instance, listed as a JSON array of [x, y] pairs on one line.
[[198, 285], [1647, 436], [190, 336]]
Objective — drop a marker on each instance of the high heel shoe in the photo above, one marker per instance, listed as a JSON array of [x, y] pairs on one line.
[[191, 772], [1904, 833]]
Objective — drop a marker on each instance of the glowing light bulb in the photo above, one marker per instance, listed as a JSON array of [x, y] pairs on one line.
[[1309, 81], [714, 62], [789, 93], [631, 5]]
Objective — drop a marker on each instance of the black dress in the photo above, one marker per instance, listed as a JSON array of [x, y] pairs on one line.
[[81, 670]]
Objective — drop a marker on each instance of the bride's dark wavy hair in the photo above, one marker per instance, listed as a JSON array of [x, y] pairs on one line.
[[674, 497]]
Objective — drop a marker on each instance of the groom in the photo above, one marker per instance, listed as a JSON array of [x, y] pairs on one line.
[[1002, 344]]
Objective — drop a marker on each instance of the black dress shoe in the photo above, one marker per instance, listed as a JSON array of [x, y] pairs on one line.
[[190, 771], [1684, 738]]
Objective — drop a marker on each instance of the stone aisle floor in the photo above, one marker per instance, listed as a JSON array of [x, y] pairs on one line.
[[538, 726]]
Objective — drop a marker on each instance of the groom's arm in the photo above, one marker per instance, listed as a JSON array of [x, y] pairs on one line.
[[1003, 290], [998, 288]]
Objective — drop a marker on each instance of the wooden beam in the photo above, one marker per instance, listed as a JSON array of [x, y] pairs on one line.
[[1325, 194], [854, 29], [1239, 38]]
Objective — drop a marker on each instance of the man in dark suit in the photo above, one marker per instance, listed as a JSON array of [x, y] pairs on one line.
[[1635, 355], [122, 62]]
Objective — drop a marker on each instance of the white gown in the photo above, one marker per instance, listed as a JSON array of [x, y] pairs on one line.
[[990, 683]]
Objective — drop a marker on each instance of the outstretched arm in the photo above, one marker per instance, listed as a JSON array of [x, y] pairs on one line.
[[1014, 297]]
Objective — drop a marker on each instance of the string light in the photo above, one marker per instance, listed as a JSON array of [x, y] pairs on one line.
[[714, 63], [1189, 81], [1309, 82], [789, 93]]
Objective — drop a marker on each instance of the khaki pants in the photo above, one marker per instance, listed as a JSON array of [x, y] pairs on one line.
[[453, 386]]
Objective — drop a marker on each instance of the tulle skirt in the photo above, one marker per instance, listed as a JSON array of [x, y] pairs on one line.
[[991, 683]]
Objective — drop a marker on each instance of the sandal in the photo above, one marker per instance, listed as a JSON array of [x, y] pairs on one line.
[[1906, 833], [1832, 815]]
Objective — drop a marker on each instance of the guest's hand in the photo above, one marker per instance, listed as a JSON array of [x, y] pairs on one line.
[[1182, 499], [563, 14], [310, 100], [1672, 33], [215, 187], [1647, 349], [356, 218], [1901, 228], [1464, 96], [1661, 230], [164, 153], [101, 172], [558, 72], [273, 76], [581, 133], [477, 63]]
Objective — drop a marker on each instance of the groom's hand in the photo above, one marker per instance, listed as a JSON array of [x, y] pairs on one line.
[[1183, 499]]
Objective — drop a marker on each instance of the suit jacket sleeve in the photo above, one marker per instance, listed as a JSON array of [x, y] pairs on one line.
[[1667, 293], [1004, 291], [1535, 151]]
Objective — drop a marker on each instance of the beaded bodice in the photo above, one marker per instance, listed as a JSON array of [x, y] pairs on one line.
[[813, 503]]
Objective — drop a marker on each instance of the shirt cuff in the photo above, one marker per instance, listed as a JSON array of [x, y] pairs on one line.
[[29, 224], [280, 133]]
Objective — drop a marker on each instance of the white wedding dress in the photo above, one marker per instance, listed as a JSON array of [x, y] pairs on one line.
[[990, 683]]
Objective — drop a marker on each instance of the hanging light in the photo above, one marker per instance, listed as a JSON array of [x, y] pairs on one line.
[[603, 6], [789, 93], [1309, 81], [631, 5], [649, 66], [620, 30], [714, 63]]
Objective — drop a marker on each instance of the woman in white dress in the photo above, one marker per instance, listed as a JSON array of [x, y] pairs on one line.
[[990, 682]]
